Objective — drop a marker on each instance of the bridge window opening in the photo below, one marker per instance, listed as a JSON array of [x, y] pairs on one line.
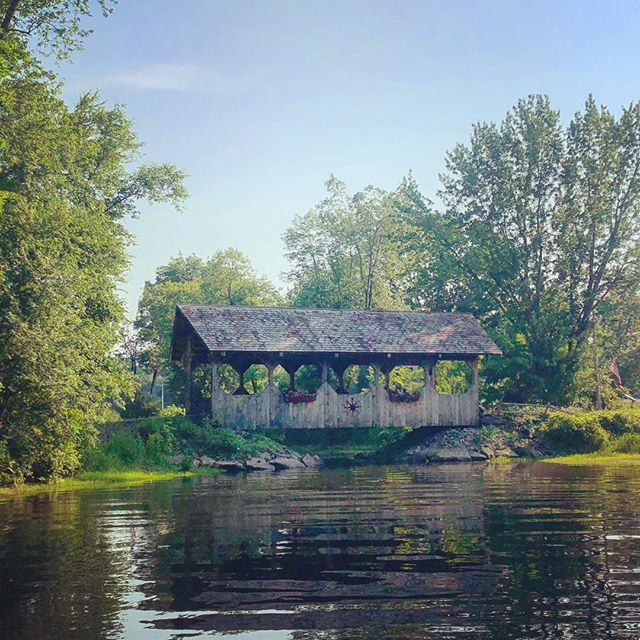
[[280, 378], [308, 379], [358, 378], [256, 379], [452, 376], [228, 379], [406, 379], [333, 379]]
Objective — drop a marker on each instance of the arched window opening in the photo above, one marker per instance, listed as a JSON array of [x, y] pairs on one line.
[[281, 378], [308, 379], [358, 378], [452, 376], [228, 379], [256, 379]]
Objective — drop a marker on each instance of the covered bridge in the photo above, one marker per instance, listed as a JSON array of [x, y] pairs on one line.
[[332, 340]]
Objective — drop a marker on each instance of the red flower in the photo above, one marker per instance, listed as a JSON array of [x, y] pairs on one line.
[[294, 397], [404, 396]]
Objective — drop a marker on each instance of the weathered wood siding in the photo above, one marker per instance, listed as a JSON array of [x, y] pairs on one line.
[[332, 410]]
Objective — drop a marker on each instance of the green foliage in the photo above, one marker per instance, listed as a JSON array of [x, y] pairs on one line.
[[407, 379], [452, 376], [139, 406], [204, 439], [589, 431], [342, 253], [7, 465], [131, 449], [574, 433], [620, 422], [627, 443], [53, 26], [64, 188], [171, 411], [534, 236]]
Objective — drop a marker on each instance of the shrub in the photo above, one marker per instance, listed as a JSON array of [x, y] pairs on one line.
[[140, 406], [192, 438], [127, 447], [159, 447], [146, 427], [627, 443], [99, 459], [7, 464], [621, 421], [171, 411], [574, 433]]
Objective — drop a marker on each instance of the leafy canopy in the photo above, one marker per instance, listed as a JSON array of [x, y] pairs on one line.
[[65, 187]]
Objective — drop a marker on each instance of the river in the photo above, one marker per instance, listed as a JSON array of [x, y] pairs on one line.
[[523, 550]]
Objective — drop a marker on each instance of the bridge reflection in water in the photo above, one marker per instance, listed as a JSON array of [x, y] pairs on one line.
[[474, 551]]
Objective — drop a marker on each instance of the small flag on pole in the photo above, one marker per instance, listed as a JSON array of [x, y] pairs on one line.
[[613, 367]]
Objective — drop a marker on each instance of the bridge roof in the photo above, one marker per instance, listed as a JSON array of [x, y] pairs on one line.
[[294, 330]]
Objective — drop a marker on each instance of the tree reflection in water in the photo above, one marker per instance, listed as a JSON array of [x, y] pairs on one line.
[[527, 550]]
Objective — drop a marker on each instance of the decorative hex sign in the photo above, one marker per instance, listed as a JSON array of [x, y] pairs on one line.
[[352, 406]]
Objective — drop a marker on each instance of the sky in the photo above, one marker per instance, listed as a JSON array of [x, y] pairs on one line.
[[260, 101]]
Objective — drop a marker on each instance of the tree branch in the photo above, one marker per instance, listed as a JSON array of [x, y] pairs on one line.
[[8, 16]]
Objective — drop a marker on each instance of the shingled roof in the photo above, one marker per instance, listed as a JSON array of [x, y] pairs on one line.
[[293, 330]]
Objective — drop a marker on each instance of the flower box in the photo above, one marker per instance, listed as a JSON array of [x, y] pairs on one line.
[[294, 397], [404, 396]]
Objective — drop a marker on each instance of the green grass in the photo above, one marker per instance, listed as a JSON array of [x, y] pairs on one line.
[[597, 458], [100, 480]]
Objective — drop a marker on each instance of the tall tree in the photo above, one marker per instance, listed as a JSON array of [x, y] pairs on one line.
[[342, 253], [54, 26], [226, 278], [539, 227], [65, 187]]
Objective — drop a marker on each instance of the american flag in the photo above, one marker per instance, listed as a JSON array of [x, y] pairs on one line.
[[613, 367]]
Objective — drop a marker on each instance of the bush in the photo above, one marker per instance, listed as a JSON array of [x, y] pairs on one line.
[[621, 421], [192, 438], [128, 450], [7, 465], [574, 433], [171, 411], [127, 447], [628, 443], [159, 447], [151, 442], [140, 406]]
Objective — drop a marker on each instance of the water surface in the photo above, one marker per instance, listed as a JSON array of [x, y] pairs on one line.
[[528, 550]]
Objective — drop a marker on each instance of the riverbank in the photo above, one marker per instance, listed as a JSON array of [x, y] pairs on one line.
[[598, 459], [100, 480], [530, 432], [155, 449]]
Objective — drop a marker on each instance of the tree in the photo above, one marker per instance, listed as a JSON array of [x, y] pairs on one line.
[[226, 278], [539, 228], [54, 25], [65, 187], [342, 253]]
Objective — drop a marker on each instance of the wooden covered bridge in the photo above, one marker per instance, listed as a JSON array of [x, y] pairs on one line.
[[330, 339]]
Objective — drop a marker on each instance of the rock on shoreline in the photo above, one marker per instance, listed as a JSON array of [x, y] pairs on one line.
[[471, 444], [264, 461]]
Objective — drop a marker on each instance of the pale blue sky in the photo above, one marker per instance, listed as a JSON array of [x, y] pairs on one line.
[[260, 101]]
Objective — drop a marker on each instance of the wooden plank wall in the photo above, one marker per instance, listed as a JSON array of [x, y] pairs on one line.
[[331, 410]]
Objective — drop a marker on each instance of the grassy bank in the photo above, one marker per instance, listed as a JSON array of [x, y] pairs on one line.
[[158, 443], [593, 437], [150, 450], [99, 480], [598, 458]]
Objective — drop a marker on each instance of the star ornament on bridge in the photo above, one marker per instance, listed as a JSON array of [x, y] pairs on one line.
[[352, 406]]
